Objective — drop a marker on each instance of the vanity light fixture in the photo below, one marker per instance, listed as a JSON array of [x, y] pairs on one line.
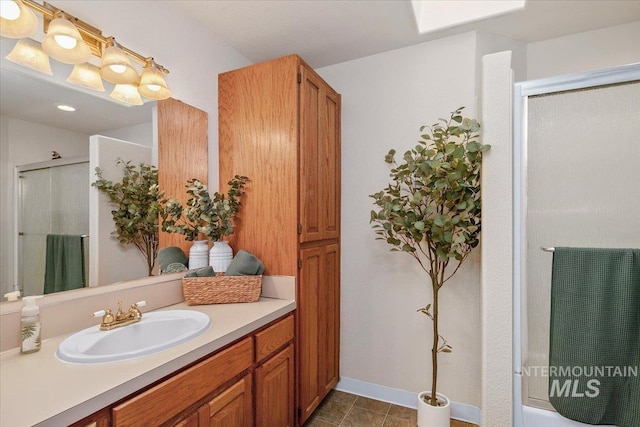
[[72, 41], [116, 67], [17, 20], [28, 53], [126, 93], [152, 82], [64, 43], [86, 75]]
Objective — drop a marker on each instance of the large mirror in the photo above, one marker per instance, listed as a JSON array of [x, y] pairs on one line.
[[40, 195]]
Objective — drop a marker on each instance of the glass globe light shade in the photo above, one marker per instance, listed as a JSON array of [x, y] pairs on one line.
[[152, 83], [64, 43], [29, 53], [17, 21], [126, 93], [116, 67]]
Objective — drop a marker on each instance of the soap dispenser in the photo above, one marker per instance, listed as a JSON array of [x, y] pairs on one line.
[[30, 325]]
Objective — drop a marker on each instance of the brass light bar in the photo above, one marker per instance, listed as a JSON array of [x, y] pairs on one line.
[[90, 34]]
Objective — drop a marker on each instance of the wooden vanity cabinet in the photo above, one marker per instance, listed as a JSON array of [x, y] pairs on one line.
[[250, 383], [279, 124]]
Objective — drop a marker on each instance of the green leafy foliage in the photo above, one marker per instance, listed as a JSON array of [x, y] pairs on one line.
[[211, 216], [138, 207], [431, 210], [137, 199]]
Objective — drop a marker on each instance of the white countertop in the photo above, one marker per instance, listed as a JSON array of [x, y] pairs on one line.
[[38, 389]]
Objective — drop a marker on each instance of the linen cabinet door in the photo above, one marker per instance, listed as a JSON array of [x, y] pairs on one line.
[[318, 326], [310, 146], [329, 319], [307, 333], [319, 159], [329, 163]]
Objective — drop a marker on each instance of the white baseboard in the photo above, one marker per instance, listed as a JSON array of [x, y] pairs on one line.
[[459, 411]]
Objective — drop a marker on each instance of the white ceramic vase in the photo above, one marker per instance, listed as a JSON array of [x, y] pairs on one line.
[[433, 416], [220, 256], [199, 254]]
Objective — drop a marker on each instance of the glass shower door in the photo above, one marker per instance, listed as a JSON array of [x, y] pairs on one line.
[[53, 200], [582, 175]]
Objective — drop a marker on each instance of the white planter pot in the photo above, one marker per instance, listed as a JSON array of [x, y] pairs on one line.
[[433, 416], [220, 256], [199, 254]]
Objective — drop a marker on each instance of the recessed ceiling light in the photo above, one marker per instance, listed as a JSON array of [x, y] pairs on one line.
[[66, 107]]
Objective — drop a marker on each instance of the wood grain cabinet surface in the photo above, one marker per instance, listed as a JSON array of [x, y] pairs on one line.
[[274, 390], [169, 398], [279, 124]]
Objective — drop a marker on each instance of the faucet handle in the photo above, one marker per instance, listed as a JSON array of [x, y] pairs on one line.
[[140, 304], [107, 316]]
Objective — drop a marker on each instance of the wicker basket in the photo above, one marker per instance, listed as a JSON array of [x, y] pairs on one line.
[[221, 289]]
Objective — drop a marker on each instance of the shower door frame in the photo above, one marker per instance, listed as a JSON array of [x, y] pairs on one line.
[[522, 92], [17, 217]]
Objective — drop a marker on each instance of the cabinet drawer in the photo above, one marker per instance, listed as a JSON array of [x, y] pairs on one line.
[[168, 399], [273, 338]]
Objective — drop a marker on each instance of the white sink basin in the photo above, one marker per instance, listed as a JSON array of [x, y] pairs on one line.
[[155, 332]]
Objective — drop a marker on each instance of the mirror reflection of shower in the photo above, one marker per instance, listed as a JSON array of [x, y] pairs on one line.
[[53, 200]]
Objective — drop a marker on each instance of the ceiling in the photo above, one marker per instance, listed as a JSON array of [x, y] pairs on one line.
[[323, 32], [326, 32]]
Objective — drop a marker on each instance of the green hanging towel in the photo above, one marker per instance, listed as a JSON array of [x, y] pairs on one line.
[[64, 268], [594, 355]]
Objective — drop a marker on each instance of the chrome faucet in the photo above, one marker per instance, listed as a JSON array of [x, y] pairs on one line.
[[121, 318]]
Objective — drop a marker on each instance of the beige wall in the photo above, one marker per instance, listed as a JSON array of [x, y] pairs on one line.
[[497, 285], [384, 341], [592, 50], [22, 143]]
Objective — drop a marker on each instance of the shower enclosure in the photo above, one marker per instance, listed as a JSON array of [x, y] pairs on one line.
[[53, 198], [577, 183]]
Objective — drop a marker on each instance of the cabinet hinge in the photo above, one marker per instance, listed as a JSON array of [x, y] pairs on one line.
[[299, 263], [299, 228], [299, 78]]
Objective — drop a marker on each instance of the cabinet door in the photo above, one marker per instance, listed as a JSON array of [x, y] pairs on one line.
[[307, 337], [192, 420], [274, 390], [319, 172], [318, 326], [233, 407], [170, 398], [329, 320]]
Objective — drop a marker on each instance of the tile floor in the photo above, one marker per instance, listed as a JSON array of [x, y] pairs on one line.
[[348, 410]]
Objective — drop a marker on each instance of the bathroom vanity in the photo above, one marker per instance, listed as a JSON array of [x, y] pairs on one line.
[[239, 370]]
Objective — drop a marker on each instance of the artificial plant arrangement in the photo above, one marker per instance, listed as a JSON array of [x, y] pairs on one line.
[[204, 214], [431, 209], [137, 198]]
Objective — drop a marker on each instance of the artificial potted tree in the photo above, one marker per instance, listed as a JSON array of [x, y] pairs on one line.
[[138, 208], [208, 216], [431, 211]]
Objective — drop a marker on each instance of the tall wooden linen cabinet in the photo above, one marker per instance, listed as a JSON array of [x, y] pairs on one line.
[[279, 124]]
